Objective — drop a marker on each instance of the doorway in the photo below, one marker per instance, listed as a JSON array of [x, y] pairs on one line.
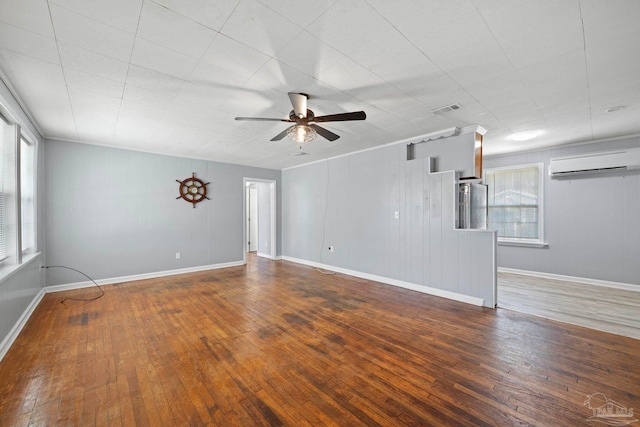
[[259, 210], [252, 217]]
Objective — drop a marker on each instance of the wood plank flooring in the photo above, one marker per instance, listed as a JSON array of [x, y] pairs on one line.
[[605, 309], [275, 343]]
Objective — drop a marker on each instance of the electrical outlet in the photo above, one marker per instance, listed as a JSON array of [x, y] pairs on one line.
[[177, 255], [330, 248], [396, 214]]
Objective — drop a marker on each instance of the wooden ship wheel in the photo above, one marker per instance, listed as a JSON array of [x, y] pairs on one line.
[[193, 190]]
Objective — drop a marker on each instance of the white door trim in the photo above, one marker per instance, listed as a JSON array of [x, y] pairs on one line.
[[274, 212]]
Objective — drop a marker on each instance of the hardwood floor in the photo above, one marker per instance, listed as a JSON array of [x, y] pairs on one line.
[[275, 343], [605, 309]]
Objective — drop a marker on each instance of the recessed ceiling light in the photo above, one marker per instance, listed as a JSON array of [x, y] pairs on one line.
[[525, 136], [614, 109]]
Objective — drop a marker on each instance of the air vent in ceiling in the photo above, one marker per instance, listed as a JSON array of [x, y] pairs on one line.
[[447, 109]]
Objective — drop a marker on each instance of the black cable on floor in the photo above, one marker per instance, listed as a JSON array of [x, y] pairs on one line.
[[78, 271]]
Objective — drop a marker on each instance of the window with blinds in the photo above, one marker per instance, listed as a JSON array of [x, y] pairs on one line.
[[27, 223], [17, 195], [515, 202], [7, 185]]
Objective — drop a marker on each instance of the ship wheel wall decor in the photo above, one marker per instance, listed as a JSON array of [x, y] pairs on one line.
[[193, 190]]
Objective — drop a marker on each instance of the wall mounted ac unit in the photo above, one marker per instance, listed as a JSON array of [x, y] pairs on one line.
[[597, 162]]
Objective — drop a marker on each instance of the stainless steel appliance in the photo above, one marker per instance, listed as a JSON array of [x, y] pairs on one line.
[[472, 205]]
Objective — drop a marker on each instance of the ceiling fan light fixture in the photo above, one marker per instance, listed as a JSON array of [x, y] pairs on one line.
[[302, 133]]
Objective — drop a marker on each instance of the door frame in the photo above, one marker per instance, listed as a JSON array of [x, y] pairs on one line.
[[274, 211]]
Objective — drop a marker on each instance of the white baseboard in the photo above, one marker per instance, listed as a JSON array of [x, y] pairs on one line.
[[17, 328], [595, 282], [135, 277], [386, 280], [260, 254]]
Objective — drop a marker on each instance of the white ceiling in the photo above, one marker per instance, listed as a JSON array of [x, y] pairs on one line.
[[169, 76]]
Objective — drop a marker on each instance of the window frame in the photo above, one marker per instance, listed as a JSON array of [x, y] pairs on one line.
[[8, 200], [16, 256], [31, 153], [514, 241]]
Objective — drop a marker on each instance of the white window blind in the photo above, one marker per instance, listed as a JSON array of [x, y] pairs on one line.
[[7, 189], [515, 202], [3, 180], [27, 158]]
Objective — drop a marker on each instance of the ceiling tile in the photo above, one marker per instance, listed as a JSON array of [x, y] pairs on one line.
[[438, 92], [279, 77], [234, 57], [92, 35], [268, 34], [149, 97], [212, 14], [301, 16], [27, 43], [82, 100], [604, 21], [162, 59], [609, 59], [96, 126], [361, 33], [172, 30], [44, 92], [154, 81], [91, 83], [31, 15], [556, 80], [309, 54], [121, 14], [510, 64], [535, 30], [77, 58]]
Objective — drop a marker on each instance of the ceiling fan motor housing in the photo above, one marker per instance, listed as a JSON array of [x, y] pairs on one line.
[[302, 120]]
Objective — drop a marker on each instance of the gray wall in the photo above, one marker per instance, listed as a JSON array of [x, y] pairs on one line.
[[592, 222], [113, 212], [350, 203], [18, 290]]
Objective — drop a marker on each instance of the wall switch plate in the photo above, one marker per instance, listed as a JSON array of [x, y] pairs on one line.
[[177, 255], [396, 214]]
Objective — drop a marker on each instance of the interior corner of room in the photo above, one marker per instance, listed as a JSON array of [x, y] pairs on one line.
[[339, 139]]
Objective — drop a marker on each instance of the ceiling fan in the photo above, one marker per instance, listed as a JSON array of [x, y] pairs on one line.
[[305, 128]]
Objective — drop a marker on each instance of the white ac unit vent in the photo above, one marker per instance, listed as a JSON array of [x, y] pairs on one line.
[[597, 162], [447, 109]]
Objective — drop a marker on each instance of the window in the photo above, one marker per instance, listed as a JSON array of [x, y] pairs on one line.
[[7, 186], [515, 203], [27, 157], [17, 190]]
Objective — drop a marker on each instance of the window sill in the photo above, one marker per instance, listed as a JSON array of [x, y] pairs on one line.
[[522, 243], [7, 271]]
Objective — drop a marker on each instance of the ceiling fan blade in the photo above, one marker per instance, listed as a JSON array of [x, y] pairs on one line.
[[299, 102], [281, 135], [264, 119], [343, 117], [324, 132]]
